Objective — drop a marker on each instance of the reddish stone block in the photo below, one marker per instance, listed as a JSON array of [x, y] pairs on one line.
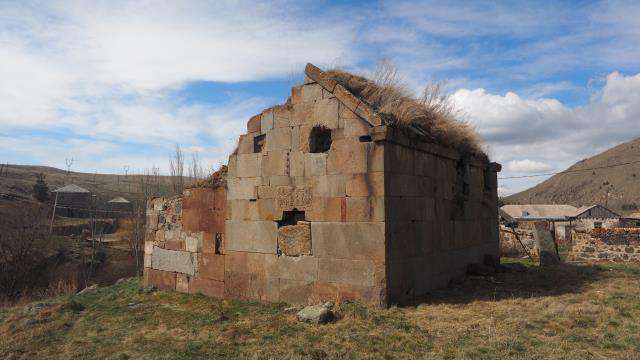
[[212, 267], [163, 280], [253, 125], [207, 287], [174, 245], [296, 291], [325, 291], [182, 282]]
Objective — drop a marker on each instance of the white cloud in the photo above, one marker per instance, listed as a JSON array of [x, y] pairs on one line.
[[528, 166], [538, 135]]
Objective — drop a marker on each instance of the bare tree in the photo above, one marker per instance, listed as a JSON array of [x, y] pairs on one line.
[[69, 162], [176, 168], [196, 170]]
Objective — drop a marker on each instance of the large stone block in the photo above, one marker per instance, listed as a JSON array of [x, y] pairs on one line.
[[292, 268], [367, 184], [330, 186], [346, 271], [325, 113], [163, 280], [296, 163], [311, 92], [296, 95], [295, 240], [252, 236], [358, 209], [266, 121], [301, 114], [174, 261], [253, 125], [279, 139], [275, 163], [326, 209], [212, 288], [289, 198], [403, 185], [281, 117], [245, 144], [365, 240], [399, 159], [374, 295], [315, 164], [348, 157], [249, 165], [182, 283], [192, 241], [212, 267], [296, 291], [244, 188]]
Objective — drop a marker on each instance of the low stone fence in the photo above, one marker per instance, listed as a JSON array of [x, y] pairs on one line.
[[509, 245], [617, 245]]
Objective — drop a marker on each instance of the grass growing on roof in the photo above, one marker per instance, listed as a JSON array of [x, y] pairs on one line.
[[570, 311], [432, 114]]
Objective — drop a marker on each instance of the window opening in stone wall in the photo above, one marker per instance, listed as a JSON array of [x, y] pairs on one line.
[[365, 138], [320, 139], [218, 244], [258, 143], [597, 225], [291, 217]]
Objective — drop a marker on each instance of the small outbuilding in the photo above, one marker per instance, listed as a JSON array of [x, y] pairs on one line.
[[72, 201], [119, 207]]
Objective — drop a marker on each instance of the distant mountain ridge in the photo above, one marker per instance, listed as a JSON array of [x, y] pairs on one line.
[[616, 187]]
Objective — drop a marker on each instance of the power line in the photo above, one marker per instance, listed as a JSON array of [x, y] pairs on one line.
[[570, 171]]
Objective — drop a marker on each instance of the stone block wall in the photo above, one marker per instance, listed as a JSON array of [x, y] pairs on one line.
[[184, 244], [616, 245], [364, 214], [441, 215], [335, 248]]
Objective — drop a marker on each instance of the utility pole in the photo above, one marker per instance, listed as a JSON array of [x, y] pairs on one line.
[[69, 162]]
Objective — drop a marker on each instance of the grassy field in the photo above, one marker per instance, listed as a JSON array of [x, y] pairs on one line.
[[571, 311]]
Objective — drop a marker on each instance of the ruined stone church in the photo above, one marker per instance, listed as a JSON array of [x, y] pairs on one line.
[[326, 199]]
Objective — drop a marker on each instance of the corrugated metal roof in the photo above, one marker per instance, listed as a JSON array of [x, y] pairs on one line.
[[540, 211], [118, 199], [71, 188]]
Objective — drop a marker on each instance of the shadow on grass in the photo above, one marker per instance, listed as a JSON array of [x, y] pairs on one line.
[[567, 278]]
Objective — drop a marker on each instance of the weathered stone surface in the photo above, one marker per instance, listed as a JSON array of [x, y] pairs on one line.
[[244, 188], [279, 139], [182, 283], [163, 280], [174, 261], [252, 236], [545, 244], [192, 241], [296, 163], [266, 121], [295, 291], [326, 209], [212, 267], [347, 157], [207, 287], [344, 271], [315, 164], [304, 268], [368, 184], [245, 144], [317, 314], [363, 240], [288, 198], [253, 125], [330, 186], [311, 92], [325, 113], [358, 209], [295, 240], [249, 165], [275, 163]]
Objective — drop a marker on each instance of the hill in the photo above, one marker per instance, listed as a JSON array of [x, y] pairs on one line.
[[570, 312], [16, 184], [617, 186]]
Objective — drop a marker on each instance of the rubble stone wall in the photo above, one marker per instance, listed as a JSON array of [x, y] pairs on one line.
[[617, 245], [184, 243]]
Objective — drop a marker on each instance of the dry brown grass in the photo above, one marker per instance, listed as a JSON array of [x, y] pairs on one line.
[[570, 312], [431, 116]]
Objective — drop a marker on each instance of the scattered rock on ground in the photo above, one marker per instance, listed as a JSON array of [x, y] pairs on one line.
[[35, 308], [148, 289], [121, 280], [88, 289], [290, 309], [317, 314], [480, 269]]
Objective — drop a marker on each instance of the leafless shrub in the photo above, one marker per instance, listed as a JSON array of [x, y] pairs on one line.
[[25, 247], [432, 115], [196, 171], [176, 169]]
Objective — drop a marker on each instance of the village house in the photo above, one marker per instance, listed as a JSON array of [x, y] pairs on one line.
[[327, 198]]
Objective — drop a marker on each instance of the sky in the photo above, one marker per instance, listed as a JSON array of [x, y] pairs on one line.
[[118, 84]]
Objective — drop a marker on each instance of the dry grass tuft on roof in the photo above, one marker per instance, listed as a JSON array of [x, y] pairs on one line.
[[432, 115], [216, 180]]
